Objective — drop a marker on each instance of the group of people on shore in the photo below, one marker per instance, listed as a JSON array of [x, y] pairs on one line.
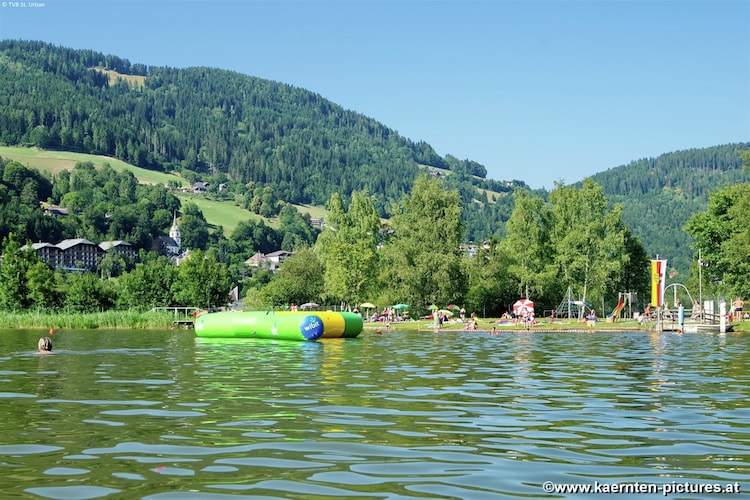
[[735, 312], [388, 315], [525, 317], [472, 323]]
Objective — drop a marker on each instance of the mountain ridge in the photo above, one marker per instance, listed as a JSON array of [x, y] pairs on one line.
[[210, 123]]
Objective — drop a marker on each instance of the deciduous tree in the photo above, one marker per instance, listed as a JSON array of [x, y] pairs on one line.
[[202, 281], [299, 280], [422, 259], [527, 246], [15, 264], [348, 246], [722, 233], [589, 240], [149, 284]]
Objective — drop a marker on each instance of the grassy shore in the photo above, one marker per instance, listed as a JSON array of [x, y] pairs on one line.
[[136, 320], [545, 325]]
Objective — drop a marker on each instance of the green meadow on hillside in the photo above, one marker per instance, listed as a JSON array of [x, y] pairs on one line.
[[224, 213], [57, 161]]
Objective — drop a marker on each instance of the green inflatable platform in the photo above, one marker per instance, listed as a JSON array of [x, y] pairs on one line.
[[279, 325]]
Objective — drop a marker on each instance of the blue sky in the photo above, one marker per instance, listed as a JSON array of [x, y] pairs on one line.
[[536, 90]]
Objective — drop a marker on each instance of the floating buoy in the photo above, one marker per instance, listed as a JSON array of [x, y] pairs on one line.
[[51, 331]]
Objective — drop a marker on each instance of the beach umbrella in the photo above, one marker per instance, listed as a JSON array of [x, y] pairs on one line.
[[432, 307], [453, 307], [308, 305], [522, 305], [367, 305], [400, 307], [446, 312]]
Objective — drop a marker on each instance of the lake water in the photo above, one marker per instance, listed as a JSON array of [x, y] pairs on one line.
[[458, 415]]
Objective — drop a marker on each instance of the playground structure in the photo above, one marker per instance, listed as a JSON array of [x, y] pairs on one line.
[[579, 308], [571, 308], [623, 298]]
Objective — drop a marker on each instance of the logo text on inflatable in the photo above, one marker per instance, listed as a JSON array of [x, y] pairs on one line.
[[311, 327]]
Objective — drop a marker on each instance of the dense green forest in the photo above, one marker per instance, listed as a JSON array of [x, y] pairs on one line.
[[272, 144], [659, 195], [212, 123]]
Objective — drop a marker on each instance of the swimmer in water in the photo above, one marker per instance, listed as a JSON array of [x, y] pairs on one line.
[[45, 345]]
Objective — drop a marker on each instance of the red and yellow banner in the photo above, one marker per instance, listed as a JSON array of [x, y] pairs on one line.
[[658, 279]]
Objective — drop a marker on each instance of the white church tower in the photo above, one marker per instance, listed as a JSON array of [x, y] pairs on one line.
[[174, 232]]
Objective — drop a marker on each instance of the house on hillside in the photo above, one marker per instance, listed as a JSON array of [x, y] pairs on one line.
[[79, 255], [47, 252], [471, 249], [199, 187], [56, 211], [319, 223], [118, 247], [270, 261]]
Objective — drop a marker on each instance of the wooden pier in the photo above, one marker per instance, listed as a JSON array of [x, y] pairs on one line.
[[184, 317]]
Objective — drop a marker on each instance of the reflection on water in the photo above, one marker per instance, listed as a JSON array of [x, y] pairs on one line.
[[165, 415]]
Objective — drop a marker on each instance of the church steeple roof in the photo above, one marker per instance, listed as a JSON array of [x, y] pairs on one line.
[[174, 231]]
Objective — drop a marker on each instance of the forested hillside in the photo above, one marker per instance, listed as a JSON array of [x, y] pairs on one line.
[[660, 194], [207, 122], [273, 143]]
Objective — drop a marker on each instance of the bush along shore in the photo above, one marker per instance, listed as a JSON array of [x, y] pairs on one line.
[[134, 320]]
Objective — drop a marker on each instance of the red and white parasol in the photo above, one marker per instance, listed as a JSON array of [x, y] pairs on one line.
[[522, 305]]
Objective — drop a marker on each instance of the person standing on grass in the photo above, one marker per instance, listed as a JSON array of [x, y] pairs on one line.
[[591, 319], [737, 307]]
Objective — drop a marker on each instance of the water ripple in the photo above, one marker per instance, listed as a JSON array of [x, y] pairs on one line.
[[72, 492], [397, 416]]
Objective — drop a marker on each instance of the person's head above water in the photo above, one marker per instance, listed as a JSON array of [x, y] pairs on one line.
[[45, 344]]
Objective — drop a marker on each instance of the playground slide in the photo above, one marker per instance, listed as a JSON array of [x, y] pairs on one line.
[[613, 317]]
